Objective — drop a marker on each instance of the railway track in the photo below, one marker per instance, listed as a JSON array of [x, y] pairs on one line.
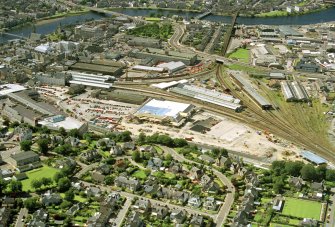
[[275, 123], [253, 116]]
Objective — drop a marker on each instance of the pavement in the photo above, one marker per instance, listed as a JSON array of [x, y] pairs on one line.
[[21, 217], [122, 213], [331, 210], [85, 168], [153, 201], [229, 199]]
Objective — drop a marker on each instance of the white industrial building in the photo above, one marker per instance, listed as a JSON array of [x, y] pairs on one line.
[[163, 110], [172, 66], [293, 91], [92, 80], [209, 96]]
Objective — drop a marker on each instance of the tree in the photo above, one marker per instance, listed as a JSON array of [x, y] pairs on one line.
[[6, 121], [321, 172], [136, 156], [36, 184], [43, 145], [62, 131], [109, 180], [46, 181], [15, 186], [278, 167], [25, 145], [64, 184], [278, 185], [69, 195], [293, 168], [124, 136], [32, 204], [179, 142], [308, 172], [58, 176], [141, 139], [74, 133], [330, 175]]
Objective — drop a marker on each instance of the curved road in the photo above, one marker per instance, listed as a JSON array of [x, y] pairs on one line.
[[229, 199]]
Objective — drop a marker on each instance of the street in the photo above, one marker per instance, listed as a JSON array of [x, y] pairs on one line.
[[225, 208], [21, 217]]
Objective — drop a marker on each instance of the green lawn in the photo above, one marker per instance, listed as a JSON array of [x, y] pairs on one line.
[[45, 171], [302, 208], [240, 54], [153, 19], [140, 174], [275, 13]]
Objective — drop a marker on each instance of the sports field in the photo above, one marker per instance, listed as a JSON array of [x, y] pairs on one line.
[[302, 208]]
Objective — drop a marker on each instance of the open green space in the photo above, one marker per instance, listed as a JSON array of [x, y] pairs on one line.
[[161, 31], [152, 19], [246, 68], [302, 208], [241, 54], [140, 174], [275, 13], [38, 174]]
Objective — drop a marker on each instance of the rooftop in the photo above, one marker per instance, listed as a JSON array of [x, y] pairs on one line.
[[10, 88], [313, 157]]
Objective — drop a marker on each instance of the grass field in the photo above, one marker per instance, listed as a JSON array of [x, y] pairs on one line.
[[140, 174], [249, 69], [241, 54], [275, 13], [153, 19], [45, 171], [302, 208]]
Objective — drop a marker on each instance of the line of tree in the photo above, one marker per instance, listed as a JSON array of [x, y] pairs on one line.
[[162, 139], [307, 171]]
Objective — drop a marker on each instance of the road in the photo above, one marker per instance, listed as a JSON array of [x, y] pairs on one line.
[[229, 199], [21, 217], [153, 201], [84, 168], [331, 210], [122, 213]]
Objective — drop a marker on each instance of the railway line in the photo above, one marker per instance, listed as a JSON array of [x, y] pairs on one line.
[[275, 123]]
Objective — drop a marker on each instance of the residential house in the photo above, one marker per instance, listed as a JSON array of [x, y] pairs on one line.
[[90, 156], [23, 133], [168, 193], [194, 201], [93, 191], [175, 167], [142, 205], [241, 219], [131, 184], [159, 212], [178, 216], [129, 146], [73, 141], [25, 158], [296, 182], [116, 150], [74, 209], [222, 161], [195, 173], [49, 199], [105, 143], [309, 222], [97, 177], [134, 220], [5, 216], [278, 203], [210, 204], [207, 158], [155, 163], [39, 219], [197, 221], [149, 149], [212, 187], [317, 187]]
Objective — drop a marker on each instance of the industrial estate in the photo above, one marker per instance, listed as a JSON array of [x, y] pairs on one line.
[[159, 120]]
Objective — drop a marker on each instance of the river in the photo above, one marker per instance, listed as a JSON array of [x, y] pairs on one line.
[[50, 26]]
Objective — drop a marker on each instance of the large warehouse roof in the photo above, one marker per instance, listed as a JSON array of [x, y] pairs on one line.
[[163, 108], [313, 157], [10, 88]]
